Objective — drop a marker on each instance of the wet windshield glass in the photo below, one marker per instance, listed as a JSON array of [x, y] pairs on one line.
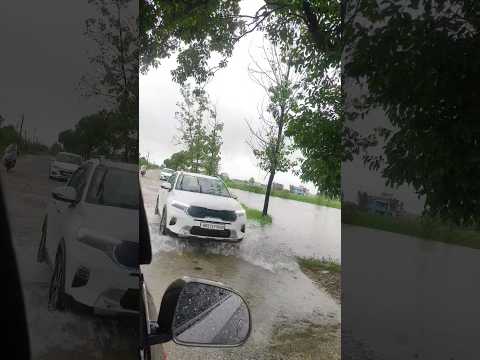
[[114, 187], [203, 185], [71, 159]]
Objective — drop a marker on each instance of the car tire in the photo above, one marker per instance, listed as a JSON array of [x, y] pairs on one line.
[[41, 252], [163, 222], [156, 207], [57, 298]]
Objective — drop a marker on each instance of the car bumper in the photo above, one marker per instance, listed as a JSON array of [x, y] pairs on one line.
[[95, 280], [183, 225]]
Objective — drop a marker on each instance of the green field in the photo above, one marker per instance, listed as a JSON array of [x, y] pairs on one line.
[[256, 215], [285, 194], [419, 227], [319, 264]]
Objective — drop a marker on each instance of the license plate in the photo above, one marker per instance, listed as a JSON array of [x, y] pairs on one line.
[[211, 226]]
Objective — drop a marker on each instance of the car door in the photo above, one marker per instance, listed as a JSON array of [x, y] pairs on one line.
[[59, 211], [163, 193]]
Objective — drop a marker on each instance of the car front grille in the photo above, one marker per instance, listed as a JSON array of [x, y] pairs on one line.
[[201, 213], [197, 230]]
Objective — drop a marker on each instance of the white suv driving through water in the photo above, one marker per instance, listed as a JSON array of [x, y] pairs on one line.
[[90, 238], [200, 206]]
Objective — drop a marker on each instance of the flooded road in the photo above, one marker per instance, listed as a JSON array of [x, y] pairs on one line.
[[410, 298], [292, 317], [307, 230], [72, 334]]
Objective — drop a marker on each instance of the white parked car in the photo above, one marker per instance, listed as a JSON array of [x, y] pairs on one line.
[[90, 238], [64, 165], [165, 174], [195, 205]]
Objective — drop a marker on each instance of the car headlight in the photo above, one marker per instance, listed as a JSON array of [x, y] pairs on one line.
[[180, 206], [240, 213]]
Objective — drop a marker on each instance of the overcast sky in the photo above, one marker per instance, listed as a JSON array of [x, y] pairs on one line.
[[236, 97], [44, 55]]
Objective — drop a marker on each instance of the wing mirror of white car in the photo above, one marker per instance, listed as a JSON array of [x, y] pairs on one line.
[[235, 196], [166, 185], [65, 193], [202, 313]]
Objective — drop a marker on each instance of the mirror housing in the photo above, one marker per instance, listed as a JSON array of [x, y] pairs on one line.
[[235, 196], [166, 185], [65, 193], [202, 313]]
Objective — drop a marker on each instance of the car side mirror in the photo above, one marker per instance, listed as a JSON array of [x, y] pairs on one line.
[[235, 196], [203, 313], [166, 185], [65, 193]]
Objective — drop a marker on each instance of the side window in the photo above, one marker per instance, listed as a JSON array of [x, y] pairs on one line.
[[75, 178], [79, 179]]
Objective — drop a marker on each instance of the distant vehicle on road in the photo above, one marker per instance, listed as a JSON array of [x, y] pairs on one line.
[[200, 206], [64, 165], [143, 170], [10, 157], [165, 174], [90, 238]]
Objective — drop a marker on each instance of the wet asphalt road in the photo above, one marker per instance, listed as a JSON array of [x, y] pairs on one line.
[[74, 334], [292, 317]]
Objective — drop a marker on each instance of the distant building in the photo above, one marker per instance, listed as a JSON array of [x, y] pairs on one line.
[[385, 204], [299, 190], [277, 186]]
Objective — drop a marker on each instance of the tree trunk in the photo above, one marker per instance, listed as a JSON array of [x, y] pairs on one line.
[[267, 193]]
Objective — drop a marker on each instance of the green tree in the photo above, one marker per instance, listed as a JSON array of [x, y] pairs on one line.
[[213, 144], [308, 30], [421, 68], [192, 128], [116, 65], [177, 161], [90, 136], [268, 142], [200, 130]]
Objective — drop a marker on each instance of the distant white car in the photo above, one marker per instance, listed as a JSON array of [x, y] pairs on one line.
[[165, 174], [90, 238], [64, 165], [195, 205]]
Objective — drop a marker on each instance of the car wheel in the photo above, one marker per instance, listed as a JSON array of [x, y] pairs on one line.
[[163, 222], [41, 252], [56, 293], [156, 207]]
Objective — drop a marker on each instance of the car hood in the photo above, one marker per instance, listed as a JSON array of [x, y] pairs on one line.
[[65, 166], [118, 223], [207, 201]]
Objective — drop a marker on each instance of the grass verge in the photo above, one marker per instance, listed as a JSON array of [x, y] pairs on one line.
[[418, 227], [324, 272], [285, 194], [256, 215]]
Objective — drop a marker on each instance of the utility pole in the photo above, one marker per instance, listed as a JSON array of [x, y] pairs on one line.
[[19, 144]]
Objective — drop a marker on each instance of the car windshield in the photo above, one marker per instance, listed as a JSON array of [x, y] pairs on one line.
[[203, 185], [114, 187], [71, 159]]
